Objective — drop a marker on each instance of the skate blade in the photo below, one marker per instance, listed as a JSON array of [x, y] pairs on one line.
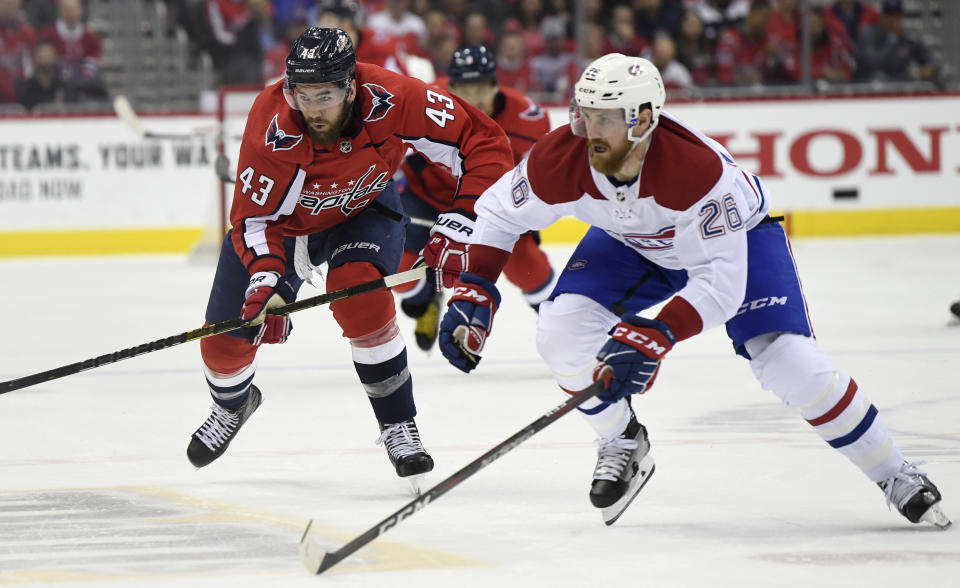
[[416, 482], [611, 513], [936, 516]]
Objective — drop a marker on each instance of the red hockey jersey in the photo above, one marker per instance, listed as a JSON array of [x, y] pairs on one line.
[[524, 122], [288, 186]]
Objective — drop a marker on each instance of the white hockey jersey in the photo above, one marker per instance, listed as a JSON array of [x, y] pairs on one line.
[[690, 209]]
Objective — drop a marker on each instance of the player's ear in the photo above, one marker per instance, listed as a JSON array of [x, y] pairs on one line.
[[352, 94]]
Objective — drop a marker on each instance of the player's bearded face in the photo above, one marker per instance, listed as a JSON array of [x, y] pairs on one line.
[[326, 110], [607, 142]]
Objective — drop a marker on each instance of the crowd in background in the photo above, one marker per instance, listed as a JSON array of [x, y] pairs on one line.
[[48, 52]]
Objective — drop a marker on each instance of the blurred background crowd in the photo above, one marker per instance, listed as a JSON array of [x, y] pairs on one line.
[[173, 55]]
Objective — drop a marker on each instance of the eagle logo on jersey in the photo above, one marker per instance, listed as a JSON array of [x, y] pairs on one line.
[[278, 139], [658, 241], [381, 102]]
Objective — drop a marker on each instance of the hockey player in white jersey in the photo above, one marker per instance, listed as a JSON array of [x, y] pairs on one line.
[[674, 219]]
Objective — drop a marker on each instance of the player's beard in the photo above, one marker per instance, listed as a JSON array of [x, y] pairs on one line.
[[334, 127], [610, 161]]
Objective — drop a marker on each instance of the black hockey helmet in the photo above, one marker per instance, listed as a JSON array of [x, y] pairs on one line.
[[321, 55], [473, 64]]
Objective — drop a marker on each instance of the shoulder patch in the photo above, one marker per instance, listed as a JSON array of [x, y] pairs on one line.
[[380, 103], [278, 139]]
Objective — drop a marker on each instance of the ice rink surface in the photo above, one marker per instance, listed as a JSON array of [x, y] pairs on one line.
[[96, 490]]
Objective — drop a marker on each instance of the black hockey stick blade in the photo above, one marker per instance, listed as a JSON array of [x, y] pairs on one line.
[[317, 560], [210, 330]]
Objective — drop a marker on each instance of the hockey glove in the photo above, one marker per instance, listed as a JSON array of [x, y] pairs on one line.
[[468, 321], [260, 297], [630, 358], [446, 251]]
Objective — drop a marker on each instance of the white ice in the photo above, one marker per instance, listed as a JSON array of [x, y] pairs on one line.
[[95, 488]]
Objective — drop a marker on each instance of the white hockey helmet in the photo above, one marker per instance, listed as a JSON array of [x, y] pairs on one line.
[[619, 81]]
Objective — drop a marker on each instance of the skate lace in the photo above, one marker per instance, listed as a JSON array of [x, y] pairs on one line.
[[900, 487], [614, 454], [218, 427], [401, 439]]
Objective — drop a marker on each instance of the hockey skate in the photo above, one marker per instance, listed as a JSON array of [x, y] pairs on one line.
[[624, 465], [213, 437], [915, 496], [406, 452], [428, 320]]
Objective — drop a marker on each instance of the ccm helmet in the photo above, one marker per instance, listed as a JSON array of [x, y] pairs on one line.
[[471, 65], [318, 56], [619, 81]]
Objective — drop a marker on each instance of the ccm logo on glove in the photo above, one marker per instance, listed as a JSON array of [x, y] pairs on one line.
[[655, 346]]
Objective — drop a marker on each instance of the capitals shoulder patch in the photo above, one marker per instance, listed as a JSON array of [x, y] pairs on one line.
[[278, 139], [380, 103]]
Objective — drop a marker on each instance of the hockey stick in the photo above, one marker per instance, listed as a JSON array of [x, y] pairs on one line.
[[317, 560], [210, 330], [125, 112]]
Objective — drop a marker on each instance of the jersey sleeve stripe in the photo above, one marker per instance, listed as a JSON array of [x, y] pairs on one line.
[[254, 228]]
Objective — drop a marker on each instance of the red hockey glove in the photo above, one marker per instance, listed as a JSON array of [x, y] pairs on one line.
[[259, 298], [630, 359], [446, 252]]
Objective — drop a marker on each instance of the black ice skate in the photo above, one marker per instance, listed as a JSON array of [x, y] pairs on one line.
[[213, 437], [406, 452], [915, 496], [428, 320], [623, 467]]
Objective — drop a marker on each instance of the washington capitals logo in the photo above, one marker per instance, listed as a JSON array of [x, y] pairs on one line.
[[278, 139], [381, 102]]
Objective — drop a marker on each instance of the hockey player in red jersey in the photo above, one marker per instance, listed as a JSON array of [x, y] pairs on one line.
[[429, 191], [314, 186], [674, 220]]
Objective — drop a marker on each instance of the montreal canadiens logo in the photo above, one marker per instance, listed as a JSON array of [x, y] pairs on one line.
[[380, 103], [279, 139]]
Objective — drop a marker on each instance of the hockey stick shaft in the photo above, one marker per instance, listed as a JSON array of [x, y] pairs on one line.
[[210, 330], [317, 560]]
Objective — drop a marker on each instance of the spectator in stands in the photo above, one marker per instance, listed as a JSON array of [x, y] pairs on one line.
[[623, 37], [550, 69], [440, 41], [45, 85], [741, 55], [476, 30], [397, 20], [513, 67], [832, 59], [246, 63], [853, 16], [528, 15], [884, 52], [719, 15], [592, 11], [78, 50], [8, 91], [17, 40], [655, 17], [694, 50], [275, 59], [223, 20], [41, 13], [663, 53], [286, 12]]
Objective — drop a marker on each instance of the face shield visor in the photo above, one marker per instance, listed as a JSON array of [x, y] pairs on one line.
[[598, 123], [312, 97]]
